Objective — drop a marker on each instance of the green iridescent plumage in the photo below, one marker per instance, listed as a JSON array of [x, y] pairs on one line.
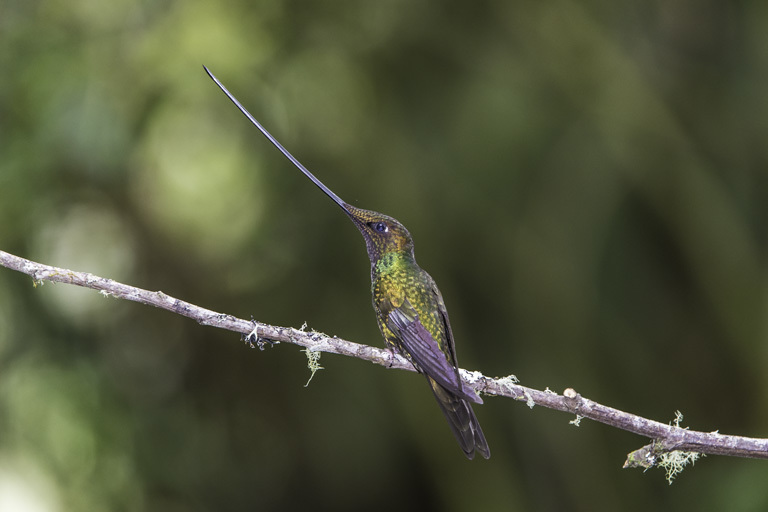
[[409, 308]]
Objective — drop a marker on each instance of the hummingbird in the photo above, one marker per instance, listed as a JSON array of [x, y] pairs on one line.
[[409, 307]]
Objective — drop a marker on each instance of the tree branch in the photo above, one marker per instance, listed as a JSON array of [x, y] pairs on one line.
[[666, 438]]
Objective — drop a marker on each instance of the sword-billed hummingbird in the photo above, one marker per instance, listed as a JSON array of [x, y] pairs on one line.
[[409, 308]]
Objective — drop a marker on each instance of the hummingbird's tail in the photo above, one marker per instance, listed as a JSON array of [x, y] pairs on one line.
[[462, 421]]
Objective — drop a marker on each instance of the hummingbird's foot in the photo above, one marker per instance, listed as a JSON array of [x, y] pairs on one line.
[[254, 340], [392, 356]]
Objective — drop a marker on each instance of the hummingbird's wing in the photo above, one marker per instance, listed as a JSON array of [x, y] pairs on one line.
[[404, 322], [450, 346]]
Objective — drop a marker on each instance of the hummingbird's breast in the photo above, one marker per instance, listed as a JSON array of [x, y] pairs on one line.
[[396, 278]]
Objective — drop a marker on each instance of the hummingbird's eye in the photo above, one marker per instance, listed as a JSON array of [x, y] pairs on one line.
[[380, 227]]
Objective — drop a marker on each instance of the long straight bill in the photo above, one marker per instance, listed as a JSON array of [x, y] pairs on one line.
[[279, 146]]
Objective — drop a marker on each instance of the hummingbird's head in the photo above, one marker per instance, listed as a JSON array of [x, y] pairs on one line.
[[382, 233]]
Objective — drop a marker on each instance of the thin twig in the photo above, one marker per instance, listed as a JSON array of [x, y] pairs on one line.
[[665, 437]]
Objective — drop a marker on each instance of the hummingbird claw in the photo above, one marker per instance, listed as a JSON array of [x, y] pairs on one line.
[[392, 356]]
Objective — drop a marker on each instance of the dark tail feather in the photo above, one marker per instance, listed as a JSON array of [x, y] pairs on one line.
[[462, 421]]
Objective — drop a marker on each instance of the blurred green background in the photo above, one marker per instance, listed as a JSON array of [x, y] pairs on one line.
[[587, 182]]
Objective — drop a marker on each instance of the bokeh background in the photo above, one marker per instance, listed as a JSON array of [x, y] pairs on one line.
[[587, 182]]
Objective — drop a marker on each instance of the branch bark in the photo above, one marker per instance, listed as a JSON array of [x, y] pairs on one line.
[[666, 438]]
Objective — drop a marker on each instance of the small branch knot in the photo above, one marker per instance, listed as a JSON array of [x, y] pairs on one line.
[[572, 400]]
